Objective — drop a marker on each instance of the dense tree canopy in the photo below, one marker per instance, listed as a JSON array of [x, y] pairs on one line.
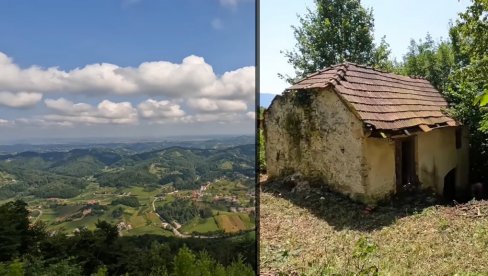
[[336, 31], [429, 59], [467, 87], [28, 250]]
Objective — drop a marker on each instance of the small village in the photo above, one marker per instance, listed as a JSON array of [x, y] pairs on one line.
[[238, 203]]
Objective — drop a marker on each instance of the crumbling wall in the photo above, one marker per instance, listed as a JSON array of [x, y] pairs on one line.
[[315, 134]]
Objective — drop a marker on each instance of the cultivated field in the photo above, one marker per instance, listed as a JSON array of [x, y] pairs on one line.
[[67, 214]]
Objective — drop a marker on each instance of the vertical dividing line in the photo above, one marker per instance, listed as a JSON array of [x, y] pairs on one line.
[[256, 121]]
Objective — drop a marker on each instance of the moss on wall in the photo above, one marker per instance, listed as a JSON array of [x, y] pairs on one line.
[[293, 127], [313, 133]]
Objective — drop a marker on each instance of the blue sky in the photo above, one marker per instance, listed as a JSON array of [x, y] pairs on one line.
[[399, 20], [126, 68]]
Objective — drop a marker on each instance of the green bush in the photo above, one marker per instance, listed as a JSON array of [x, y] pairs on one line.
[[130, 201]]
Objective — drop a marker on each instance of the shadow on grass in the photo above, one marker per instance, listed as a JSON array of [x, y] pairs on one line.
[[342, 213]]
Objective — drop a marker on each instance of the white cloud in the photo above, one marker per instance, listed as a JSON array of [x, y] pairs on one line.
[[66, 106], [68, 113], [151, 109], [191, 84], [215, 105], [217, 24], [238, 84], [19, 99], [172, 80], [95, 78], [106, 112], [113, 110], [41, 122], [193, 77], [251, 115], [15, 79], [212, 117], [4, 122]]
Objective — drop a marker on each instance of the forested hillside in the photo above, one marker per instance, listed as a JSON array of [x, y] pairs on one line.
[[171, 211], [66, 174], [27, 249]]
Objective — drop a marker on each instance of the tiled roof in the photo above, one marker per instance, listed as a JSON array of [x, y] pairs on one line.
[[384, 100]]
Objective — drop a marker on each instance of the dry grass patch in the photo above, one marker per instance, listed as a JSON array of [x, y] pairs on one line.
[[230, 223], [318, 234]]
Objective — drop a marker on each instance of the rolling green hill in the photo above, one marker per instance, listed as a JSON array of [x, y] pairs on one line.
[[48, 174], [143, 193]]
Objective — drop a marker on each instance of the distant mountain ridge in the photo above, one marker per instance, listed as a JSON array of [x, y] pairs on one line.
[[133, 147], [184, 167]]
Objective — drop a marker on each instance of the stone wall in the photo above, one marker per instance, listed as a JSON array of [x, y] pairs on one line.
[[314, 133]]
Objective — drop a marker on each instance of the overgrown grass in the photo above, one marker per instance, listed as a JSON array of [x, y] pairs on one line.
[[324, 234]]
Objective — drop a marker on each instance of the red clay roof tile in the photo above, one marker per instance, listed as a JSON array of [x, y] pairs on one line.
[[384, 100]]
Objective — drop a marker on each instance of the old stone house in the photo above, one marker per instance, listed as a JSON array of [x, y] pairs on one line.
[[366, 134]]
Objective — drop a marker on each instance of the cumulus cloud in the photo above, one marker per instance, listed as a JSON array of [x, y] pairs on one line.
[[106, 112], [216, 105], [238, 84], [66, 106], [19, 99], [120, 112], [251, 115], [188, 91], [151, 109], [193, 77]]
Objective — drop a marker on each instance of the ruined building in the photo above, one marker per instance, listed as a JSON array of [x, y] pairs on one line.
[[366, 134]]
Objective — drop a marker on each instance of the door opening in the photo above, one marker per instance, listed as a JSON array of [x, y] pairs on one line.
[[406, 176], [449, 191]]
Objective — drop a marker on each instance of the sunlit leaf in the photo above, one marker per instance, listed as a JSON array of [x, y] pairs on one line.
[[484, 99]]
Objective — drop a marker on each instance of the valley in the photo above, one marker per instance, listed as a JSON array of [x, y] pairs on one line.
[[171, 191]]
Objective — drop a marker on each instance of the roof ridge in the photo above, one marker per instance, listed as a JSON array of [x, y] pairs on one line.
[[364, 66], [392, 76]]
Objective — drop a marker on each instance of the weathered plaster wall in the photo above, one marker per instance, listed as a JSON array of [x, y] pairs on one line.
[[314, 133], [379, 157], [437, 155]]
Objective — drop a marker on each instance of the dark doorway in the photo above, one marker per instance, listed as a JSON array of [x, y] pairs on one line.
[[406, 177], [449, 191]]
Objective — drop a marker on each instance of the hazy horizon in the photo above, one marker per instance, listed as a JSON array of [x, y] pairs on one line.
[[120, 139]]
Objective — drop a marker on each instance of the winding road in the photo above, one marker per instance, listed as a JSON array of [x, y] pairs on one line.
[[178, 233], [38, 217], [175, 231]]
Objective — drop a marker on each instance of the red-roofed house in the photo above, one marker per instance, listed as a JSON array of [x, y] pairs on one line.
[[367, 134]]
